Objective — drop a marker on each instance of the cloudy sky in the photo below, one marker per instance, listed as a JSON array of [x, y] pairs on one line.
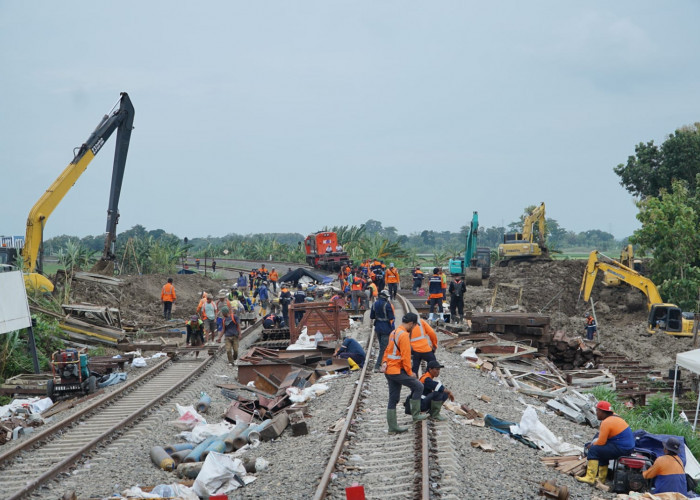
[[289, 116]]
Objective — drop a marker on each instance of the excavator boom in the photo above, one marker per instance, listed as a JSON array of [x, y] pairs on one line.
[[621, 272], [120, 120]]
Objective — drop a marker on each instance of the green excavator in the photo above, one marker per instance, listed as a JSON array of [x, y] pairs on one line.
[[475, 266]]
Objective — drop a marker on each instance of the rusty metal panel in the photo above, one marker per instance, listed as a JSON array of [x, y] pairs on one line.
[[318, 316]]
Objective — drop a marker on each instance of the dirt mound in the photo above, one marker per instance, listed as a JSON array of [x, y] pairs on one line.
[[552, 288], [138, 298]]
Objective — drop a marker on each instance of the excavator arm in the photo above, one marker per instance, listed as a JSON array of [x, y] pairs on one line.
[[535, 217], [620, 271], [121, 120]]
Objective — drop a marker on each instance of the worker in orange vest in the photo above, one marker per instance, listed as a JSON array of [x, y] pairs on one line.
[[393, 280], [274, 277], [396, 365], [357, 292], [434, 393], [167, 297], [423, 344]]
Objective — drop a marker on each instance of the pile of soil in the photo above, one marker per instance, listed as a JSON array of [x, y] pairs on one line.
[[138, 299]]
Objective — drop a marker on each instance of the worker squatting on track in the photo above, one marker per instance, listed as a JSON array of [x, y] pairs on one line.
[[434, 393]]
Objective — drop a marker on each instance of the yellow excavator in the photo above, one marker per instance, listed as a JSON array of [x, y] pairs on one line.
[[522, 246], [121, 120], [626, 259], [663, 317]]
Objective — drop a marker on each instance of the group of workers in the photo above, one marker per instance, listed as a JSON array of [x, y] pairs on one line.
[[615, 439]]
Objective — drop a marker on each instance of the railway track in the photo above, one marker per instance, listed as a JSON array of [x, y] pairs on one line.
[[60, 447], [387, 465]]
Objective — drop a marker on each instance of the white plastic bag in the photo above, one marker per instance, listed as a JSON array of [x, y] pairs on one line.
[[138, 363], [218, 475], [189, 418], [534, 430]]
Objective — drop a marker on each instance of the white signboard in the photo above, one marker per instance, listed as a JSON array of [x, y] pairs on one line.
[[14, 308]]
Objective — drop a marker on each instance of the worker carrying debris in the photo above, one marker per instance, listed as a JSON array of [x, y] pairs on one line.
[[591, 327], [195, 331], [668, 470], [396, 365], [434, 393], [614, 440]]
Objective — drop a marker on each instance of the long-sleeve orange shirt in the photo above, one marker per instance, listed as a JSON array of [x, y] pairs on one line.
[[397, 354], [616, 430], [423, 342]]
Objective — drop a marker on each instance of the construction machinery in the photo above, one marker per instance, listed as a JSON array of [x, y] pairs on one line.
[[70, 374], [121, 120], [663, 317], [522, 246], [475, 265], [626, 259], [324, 252]]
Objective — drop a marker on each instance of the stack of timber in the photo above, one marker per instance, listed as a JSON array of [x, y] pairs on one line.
[[93, 324], [570, 353], [572, 465]]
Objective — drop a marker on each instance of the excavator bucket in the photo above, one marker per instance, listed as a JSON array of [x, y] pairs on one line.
[[472, 276], [104, 267]]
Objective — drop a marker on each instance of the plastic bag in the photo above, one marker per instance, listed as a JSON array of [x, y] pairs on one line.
[[189, 418], [138, 363], [220, 474], [534, 430]]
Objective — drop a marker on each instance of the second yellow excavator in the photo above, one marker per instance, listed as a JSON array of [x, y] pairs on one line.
[[663, 317], [522, 246]]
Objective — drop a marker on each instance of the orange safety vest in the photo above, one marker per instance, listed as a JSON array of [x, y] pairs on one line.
[[373, 287], [357, 284], [423, 337], [392, 275], [443, 281], [400, 356], [167, 294], [274, 276]]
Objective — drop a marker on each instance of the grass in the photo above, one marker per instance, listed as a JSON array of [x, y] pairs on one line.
[[655, 418]]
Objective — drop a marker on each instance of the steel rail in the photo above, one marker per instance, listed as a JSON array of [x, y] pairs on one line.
[[424, 470], [71, 460]]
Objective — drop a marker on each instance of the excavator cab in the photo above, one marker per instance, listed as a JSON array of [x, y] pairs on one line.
[[668, 318]]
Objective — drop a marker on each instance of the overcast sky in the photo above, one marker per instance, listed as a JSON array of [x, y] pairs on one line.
[[289, 116]]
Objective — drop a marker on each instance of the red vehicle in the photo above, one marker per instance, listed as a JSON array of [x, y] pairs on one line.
[[324, 252]]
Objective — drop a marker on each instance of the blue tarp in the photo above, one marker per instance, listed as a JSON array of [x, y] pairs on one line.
[[654, 443]]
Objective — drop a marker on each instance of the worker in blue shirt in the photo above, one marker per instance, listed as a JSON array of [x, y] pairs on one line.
[[351, 348], [383, 315]]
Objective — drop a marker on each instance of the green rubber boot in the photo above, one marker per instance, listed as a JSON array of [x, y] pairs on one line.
[[393, 424], [415, 411], [435, 407]]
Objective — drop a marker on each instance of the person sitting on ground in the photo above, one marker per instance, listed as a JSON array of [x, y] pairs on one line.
[[351, 348], [434, 393], [615, 440], [272, 321], [668, 470]]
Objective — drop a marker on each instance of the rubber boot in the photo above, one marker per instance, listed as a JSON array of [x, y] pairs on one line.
[[591, 472], [603, 473], [415, 411], [431, 317], [435, 407], [393, 424]]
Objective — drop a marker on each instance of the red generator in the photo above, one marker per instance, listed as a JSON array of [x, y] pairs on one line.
[[627, 473]]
